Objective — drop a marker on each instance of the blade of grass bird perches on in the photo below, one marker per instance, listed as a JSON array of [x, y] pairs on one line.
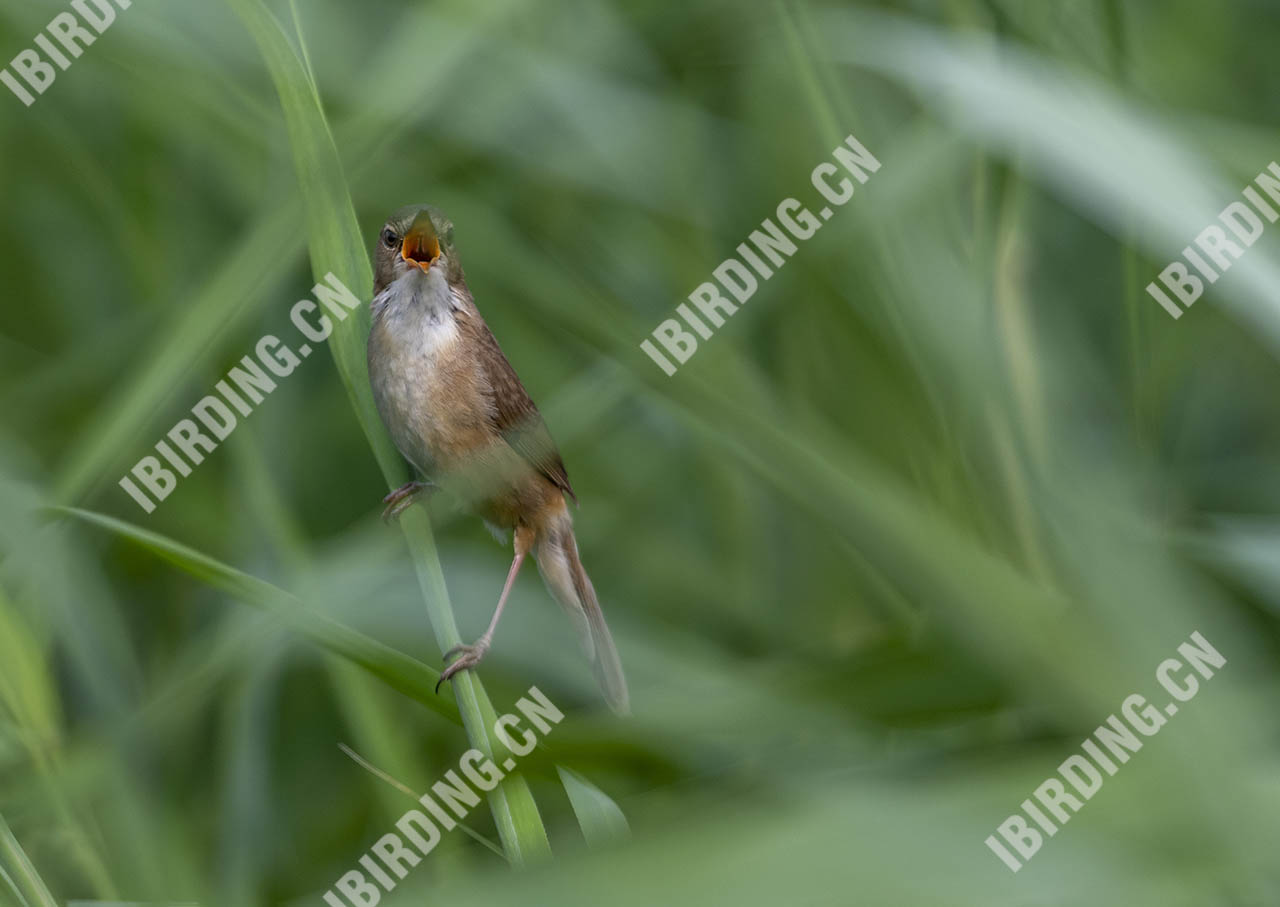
[[337, 247]]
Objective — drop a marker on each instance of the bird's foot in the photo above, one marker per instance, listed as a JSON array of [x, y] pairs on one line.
[[468, 657], [402, 499]]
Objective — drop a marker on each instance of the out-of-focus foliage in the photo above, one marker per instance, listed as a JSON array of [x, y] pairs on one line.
[[903, 533]]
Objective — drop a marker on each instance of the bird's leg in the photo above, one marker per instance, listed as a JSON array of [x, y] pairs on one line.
[[469, 656], [402, 498]]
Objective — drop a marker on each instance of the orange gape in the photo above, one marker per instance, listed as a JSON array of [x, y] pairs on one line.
[[421, 247]]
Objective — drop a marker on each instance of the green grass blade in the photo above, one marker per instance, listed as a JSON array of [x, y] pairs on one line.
[[222, 304], [12, 886], [405, 674], [337, 247], [415, 796], [29, 883], [600, 818]]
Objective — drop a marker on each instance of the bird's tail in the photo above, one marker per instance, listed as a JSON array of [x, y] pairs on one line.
[[557, 555]]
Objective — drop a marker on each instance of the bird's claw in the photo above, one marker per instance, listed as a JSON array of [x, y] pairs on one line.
[[468, 657], [402, 499]]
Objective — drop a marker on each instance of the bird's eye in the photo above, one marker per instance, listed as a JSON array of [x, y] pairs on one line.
[[389, 239]]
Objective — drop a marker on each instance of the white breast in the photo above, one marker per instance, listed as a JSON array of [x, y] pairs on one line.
[[413, 326]]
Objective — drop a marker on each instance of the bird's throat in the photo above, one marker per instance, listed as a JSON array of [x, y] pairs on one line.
[[419, 294]]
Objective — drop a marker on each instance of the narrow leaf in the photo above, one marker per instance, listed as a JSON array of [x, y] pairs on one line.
[[337, 247]]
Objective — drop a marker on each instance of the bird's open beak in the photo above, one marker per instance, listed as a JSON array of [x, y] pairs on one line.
[[420, 246]]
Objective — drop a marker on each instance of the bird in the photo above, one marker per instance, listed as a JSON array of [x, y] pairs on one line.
[[457, 411]]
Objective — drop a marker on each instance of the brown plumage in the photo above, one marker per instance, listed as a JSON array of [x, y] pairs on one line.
[[515, 415], [458, 412]]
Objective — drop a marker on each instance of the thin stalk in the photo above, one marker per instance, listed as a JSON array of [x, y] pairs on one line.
[[337, 247], [28, 882], [413, 795]]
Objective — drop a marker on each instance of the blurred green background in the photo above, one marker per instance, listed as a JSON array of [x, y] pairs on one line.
[[897, 539]]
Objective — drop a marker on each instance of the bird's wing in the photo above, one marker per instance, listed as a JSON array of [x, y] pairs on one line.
[[515, 416]]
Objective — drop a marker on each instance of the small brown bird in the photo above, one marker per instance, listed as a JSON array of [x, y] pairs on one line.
[[457, 411]]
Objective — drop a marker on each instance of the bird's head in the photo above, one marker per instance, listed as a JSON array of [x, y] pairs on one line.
[[417, 237]]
